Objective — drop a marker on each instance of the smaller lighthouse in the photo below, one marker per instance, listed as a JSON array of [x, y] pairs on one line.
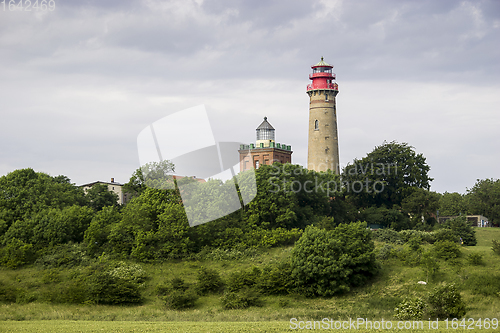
[[265, 151], [323, 145]]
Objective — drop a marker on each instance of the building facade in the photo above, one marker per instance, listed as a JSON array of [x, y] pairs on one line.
[[265, 151], [117, 188], [323, 144]]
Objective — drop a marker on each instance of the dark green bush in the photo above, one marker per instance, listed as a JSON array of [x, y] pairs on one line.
[[442, 235], [107, 289], [385, 252], [462, 228], [325, 263], [446, 250], [248, 278], [242, 299], [387, 235], [209, 281], [475, 259], [180, 300], [276, 279], [178, 283], [115, 283], [496, 246], [7, 293], [446, 302], [74, 291], [16, 253], [63, 255]]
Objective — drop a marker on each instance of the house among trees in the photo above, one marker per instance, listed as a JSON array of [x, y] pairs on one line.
[[475, 220], [117, 188]]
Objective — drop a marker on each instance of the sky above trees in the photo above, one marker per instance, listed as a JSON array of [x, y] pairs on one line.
[[79, 83]]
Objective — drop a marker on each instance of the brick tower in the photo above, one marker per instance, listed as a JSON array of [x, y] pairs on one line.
[[323, 145], [265, 151]]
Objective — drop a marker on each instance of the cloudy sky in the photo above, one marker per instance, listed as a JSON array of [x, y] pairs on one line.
[[79, 83]]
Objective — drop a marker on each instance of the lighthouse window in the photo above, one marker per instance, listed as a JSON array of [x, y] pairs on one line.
[[326, 97], [316, 125]]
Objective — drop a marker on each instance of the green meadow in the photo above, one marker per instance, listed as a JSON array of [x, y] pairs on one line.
[[375, 301]]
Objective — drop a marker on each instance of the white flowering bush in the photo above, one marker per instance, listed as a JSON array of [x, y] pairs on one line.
[[129, 272], [410, 309]]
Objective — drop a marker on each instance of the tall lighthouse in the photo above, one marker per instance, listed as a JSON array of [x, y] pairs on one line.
[[323, 146]]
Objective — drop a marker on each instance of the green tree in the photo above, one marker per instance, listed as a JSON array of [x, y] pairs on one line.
[[387, 175], [325, 263], [290, 196], [462, 228], [484, 198], [96, 235], [452, 204], [99, 196], [446, 302], [24, 192], [51, 226], [422, 205]]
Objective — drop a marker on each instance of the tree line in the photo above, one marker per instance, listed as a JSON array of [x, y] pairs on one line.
[[39, 212]]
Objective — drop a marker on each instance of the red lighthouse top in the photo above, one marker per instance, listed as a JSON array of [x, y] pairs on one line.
[[322, 77]]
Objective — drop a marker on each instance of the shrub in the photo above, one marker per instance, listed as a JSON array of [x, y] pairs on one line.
[[447, 250], [16, 253], [385, 252], [325, 263], [276, 279], [239, 280], [63, 255], [116, 283], [209, 281], [410, 309], [496, 246], [178, 283], [446, 235], [7, 293], [387, 235], [446, 302], [107, 289], [180, 299], [242, 299], [462, 229], [475, 259]]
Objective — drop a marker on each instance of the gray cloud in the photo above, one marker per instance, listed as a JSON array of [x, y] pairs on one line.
[[79, 83]]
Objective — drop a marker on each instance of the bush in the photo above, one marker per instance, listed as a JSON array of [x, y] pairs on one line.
[[446, 250], [385, 252], [180, 299], [242, 299], [325, 263], [475, 259], [410, 309], [115, 283], [462, 229], [387, 235], [7, 293], [446, 302], [209, 281], [239, 280], [496, 247], [63, 255], [276, 279], [16, 253], [446, 235]]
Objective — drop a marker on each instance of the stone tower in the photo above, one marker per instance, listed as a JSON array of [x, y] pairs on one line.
[[323, 146]]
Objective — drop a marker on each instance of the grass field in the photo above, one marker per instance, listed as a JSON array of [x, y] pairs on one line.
[[374, 301]]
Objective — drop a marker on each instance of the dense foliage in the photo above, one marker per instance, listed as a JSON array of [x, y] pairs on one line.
[[325, 263]]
